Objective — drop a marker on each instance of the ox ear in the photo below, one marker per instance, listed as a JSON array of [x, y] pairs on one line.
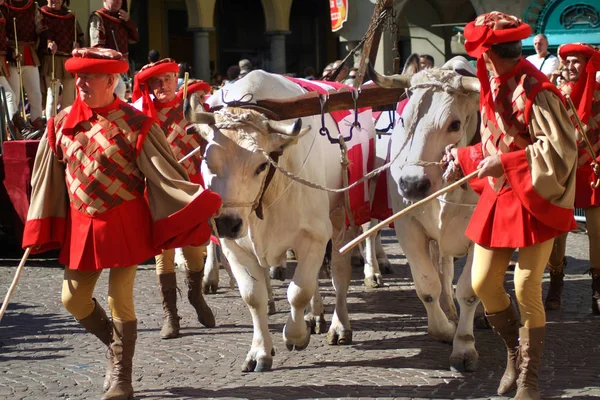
[[195, 113]]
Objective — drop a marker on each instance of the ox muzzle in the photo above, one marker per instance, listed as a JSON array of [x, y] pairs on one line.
[[229, 226], [414, 188]]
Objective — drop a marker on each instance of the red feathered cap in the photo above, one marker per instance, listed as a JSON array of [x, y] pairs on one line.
[[96, 60], [195, 85], [140, 88], [583, 90], [493, 28]]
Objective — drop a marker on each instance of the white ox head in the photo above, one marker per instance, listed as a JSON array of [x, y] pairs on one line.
[[231, 164], [442, 110]]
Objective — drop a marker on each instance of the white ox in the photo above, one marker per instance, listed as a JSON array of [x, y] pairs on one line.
[[442, 110], [295, 216]]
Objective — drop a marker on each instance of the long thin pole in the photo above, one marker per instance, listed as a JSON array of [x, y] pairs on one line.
[[12, 287], [353, 243], [19, 71]]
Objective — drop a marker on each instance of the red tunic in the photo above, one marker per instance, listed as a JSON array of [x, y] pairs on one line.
[[510, 212], [173, 124], [124, 32], [60, 28], [585, 195], [109, 222], [27, 16]]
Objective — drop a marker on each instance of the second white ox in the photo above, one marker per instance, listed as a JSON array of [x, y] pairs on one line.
[[442, 110], [294, 216]]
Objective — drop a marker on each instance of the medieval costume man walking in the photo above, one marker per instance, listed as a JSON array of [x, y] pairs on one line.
[[94, 164], [160, 80], [59, 40], [12, 103], [26, 16], [582, 61], [112, 28], [527, 158]]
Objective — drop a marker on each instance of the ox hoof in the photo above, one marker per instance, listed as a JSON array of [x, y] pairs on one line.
[[272, 310], [317, 325], [277, 273], [262, 365], [342, 338], [210, 287], [385, 266], [481, 323], [374, 281], [295, 346], [464, 363]]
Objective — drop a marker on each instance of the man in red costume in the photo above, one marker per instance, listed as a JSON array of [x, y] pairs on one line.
[[582, 62], [112, 28], [166, 109], [527, 185], [26, 15], [59, 40], [94, 165]]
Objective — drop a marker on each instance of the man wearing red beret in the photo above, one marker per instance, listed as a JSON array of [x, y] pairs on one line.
[[96, 163], [582, 62], [527, 157], [159, 79]]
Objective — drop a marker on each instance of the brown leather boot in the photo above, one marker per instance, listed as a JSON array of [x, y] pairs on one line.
[[506, 324], [194, 283], [553, 298], [595, 291], [98, 324], [123, 348], [19, 125], [168, 293], [530, 356]]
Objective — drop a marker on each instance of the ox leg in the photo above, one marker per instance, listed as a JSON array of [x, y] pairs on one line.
[[210, 281], [446, 274], [250, 278], [271, 303], [340, 332], [464, 356], [315, 317], [385, 266], [302, 288], [226, 266], [427, 282], [372, 273]]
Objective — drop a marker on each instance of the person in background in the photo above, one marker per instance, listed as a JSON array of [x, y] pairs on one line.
[[153, 56], [426, 61], [183, 68], [542, 59], [245, 67]]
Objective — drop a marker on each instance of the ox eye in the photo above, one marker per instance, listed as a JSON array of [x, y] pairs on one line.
[[262, 167], [454, 126]]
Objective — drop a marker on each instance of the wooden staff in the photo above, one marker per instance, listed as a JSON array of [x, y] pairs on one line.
[[12, 287], [585, 139], [20, 71], [186, 76], [353, 243]]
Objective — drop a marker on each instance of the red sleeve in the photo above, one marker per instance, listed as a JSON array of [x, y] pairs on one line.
[[468, 159], [132, 31], [44, 234], [518, 176]]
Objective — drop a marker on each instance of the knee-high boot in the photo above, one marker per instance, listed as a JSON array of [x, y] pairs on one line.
[[506, 324], [168, 292], [123, 347], [557, 275], [98, 324], [194, 283], [531, 347]]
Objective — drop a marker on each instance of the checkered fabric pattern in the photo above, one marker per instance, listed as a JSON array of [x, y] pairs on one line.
[[101, 161], [105, 34], [25, 21], [173, 124], [60, 30], [592, 128], [510, 132]]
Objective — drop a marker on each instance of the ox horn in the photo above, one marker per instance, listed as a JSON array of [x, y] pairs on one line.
[[388, 82], [286, 128], [471, 84], [194, 112]]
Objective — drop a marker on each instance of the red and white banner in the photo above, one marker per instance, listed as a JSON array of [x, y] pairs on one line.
[[339, 13]]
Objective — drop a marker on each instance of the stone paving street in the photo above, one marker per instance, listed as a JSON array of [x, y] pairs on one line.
[[45, 354]]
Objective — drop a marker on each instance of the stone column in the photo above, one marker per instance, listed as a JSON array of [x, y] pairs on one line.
[[278, 64], [202, 54]]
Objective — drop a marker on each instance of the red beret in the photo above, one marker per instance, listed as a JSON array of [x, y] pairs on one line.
[[195, 86], [583, 49], [151, 70], [493, 28], [96, 60]]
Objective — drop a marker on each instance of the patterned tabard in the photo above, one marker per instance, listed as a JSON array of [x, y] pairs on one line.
[[29, 26], [173, 123], [103, 24]]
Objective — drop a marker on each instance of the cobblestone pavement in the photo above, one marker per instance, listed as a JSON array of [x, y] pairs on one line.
[[45, 354]]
